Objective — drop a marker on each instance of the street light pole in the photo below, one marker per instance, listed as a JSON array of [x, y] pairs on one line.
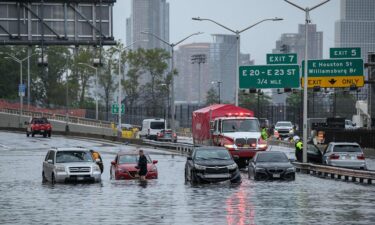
[[307, 21], [237, 33], [172, 45], [20, 61], [96, 88]]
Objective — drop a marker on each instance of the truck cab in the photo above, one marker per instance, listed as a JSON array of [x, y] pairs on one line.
[[240, 134]]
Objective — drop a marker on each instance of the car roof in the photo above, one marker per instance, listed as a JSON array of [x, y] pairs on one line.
[[271, 152], [283, 122], [209, 148], [122, 152], [71, 149], [344, 143]]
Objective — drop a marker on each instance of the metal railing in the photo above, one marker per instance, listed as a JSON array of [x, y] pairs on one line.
[[59, 117]]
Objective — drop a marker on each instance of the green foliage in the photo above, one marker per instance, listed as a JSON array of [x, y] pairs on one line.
[[212, 96], [253, 101]]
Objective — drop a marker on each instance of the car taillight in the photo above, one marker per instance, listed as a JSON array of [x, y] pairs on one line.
[[334, 156], [361, 157]]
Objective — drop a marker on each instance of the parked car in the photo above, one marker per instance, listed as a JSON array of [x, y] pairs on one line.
[[270, 165], [38, 125], [166, 135], [284, 129], [70, 165], [344, 154], [124, 167], [211, 164], [314, 155], [151, 127]]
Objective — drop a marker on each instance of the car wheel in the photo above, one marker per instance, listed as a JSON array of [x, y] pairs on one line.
[[53, 179], [44, 179], [193, 178], [32, 134], [27, 134]]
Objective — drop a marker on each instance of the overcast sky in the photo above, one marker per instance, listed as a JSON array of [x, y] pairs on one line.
[[238, 14]]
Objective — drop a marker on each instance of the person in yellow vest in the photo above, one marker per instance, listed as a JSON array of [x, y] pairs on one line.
[[95, 155], [299, 148]]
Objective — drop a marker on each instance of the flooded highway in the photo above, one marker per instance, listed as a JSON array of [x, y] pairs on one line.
[[167, 200]]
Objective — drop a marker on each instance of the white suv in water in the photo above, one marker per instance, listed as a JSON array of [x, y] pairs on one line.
[[70, 165], [284, 129]]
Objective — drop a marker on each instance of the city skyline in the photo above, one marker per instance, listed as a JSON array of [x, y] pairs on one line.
[[237, 18]]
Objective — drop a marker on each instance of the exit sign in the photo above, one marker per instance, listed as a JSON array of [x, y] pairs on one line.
[[342, 53], [281, 59]]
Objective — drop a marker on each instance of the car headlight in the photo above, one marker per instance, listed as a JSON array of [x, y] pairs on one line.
[[60, 169], [232, 167], [199, 167], [291, 169], [291, 131], [96, 168]]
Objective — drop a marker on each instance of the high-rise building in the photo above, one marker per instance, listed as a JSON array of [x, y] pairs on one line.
[[295, 43], [356, 27], [151, 16], [187, 82]]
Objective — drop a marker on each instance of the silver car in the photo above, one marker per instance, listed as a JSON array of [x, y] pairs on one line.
[[70, 165], [344, 154]]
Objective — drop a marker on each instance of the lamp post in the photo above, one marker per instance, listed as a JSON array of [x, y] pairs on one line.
[[307, 21], [172, 45], [96, 88], [237, 33], [199, 58], [20, 61], [218, 87]]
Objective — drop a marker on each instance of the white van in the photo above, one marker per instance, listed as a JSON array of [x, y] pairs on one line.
[[151, 127]]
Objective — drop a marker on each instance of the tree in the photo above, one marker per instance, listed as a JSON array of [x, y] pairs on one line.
[[254, 101], [212, 96]]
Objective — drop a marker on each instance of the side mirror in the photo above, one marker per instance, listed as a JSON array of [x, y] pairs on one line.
[[189, 158], [236, 157], [113, 163], [50, 161], [154, 161]]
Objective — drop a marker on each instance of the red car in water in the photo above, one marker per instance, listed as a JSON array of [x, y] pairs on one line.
[[124, 167], [39, 126]]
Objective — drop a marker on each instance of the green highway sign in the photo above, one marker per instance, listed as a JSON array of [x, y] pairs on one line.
[[115, 108], [269, 76], [334, 67], [342, 53], [281, 59]]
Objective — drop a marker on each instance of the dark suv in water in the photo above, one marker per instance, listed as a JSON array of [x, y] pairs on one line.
[[211, 164]]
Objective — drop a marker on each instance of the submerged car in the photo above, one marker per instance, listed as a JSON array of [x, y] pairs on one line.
[[124, 167], [314, 155], [344, 154], [70, 165], [211, 164], [271, 165], [166, 135], [38, 126]]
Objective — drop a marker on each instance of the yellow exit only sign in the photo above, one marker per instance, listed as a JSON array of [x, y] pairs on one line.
[[335, 82]]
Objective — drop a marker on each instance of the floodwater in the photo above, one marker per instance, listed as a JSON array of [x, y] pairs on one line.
[[167, 200]]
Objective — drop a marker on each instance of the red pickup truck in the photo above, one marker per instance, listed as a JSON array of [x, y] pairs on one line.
[[39, 126]]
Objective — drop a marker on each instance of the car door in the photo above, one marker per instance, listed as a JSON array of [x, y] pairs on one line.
[[50, 164], [313, 154], [45, 166]]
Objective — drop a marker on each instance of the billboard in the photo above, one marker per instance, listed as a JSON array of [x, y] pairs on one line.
[[56, 22]]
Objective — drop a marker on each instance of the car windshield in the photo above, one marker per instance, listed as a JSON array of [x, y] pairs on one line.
[[240, 125], [40, 121], [207, 154], [131, 159], [157, 125], [284, 124], [272, 157], [346, 148], [73, 156]]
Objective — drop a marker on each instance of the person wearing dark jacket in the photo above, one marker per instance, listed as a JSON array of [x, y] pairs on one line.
[[142, 166]]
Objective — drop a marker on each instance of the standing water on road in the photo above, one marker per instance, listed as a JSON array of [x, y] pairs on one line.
[[167, 200]]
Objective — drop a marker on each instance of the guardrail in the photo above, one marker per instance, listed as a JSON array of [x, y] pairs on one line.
[[337, 173], [183, 148], [59, 117]]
